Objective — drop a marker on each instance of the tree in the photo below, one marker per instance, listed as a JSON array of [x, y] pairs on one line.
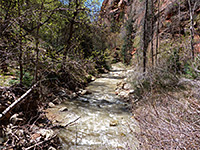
[[145, 38], [157, 32], [128, 41], [191, 11]]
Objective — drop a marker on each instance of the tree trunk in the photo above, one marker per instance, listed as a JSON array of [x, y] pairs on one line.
[[191, 29], [145, 42], [157, 33], [20, 45], [152, 24], [71, 30], [37, 45]]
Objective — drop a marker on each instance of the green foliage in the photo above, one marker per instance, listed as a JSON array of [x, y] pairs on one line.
[[128, 42], [62, 28], [27, 79], [189, 70]]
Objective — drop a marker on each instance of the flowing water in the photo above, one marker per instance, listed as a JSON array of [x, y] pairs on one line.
[[105, 121]]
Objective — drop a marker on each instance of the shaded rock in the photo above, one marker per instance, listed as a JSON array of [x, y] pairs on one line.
[[73, 95], [63, 109]]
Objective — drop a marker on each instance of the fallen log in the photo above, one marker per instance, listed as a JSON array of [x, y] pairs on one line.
[[15, 103]]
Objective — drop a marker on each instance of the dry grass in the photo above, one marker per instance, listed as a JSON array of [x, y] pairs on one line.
[[169, 121]]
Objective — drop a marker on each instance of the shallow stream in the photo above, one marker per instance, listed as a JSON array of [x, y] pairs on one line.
[[105, 122]]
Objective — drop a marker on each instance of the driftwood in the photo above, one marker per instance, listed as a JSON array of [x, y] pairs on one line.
[[15, 103]]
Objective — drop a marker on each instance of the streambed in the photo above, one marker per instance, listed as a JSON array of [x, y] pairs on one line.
[[103, 120]]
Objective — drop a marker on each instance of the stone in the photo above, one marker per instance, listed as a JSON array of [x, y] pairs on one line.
[[73, 95], [114, 123], [51, 105], [51, 148], [131, 91], [93, 78], [84, 92], [124, 94], [63, 109], [127, 86], [46, 133]]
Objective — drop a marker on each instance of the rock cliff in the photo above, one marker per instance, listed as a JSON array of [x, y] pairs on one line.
[[174, 20]]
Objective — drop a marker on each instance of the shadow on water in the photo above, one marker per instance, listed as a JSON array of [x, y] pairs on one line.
[[113, 77]]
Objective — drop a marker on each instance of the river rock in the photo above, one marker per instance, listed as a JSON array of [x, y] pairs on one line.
[[73, 95], [131, 91], [127, 86], [51, 105], [51, 148], [63, 109], [114, 123], [84, 92], [124, 94], [47, 133]]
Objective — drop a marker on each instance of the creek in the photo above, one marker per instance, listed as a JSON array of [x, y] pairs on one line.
[[105, 120]]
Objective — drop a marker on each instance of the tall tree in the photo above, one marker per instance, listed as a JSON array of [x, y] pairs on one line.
[[152, 32], [157, 32], [145, 38], [20, 41], [191, 28]]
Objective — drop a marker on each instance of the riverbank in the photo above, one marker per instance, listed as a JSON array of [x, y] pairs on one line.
[[24, 125]]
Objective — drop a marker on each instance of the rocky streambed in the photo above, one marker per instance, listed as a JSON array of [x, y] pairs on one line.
[[97, 120]]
